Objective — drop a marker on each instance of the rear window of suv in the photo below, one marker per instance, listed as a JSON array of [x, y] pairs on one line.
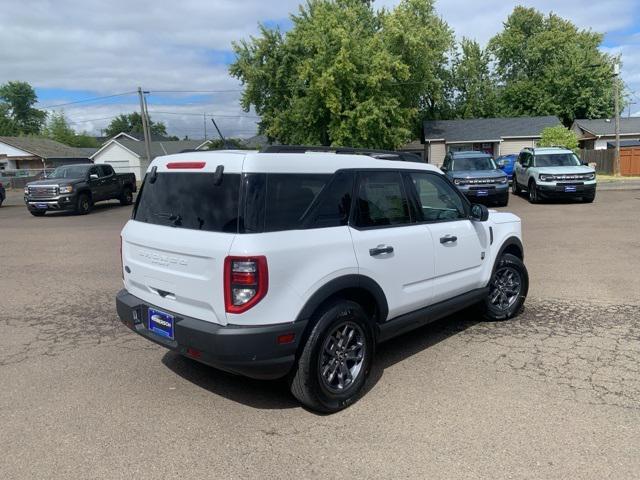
[[190, 200]]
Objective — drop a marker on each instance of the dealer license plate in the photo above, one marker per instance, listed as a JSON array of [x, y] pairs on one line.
[[161, 323]]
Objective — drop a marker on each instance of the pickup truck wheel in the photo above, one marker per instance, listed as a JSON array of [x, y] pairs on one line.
[[515, 188], [84, 204], [127, 196], [36, 213], [336, 359], [507, 289], [532, 190]]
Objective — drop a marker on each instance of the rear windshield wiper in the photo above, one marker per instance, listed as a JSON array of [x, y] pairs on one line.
[[172, 217]]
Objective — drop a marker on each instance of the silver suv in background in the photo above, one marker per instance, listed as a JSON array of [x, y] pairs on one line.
[[553, 172]]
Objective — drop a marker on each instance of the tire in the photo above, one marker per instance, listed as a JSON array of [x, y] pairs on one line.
[[506, 299], [324, 393], [36, 213], [515, 188], [127, 196], [532, 192], [589, 198], [503, 202], [83, 205]]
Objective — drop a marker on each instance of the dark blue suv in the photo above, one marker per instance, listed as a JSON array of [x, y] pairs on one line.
[[506, 163], [477, 176]]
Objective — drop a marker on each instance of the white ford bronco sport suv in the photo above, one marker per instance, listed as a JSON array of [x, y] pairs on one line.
[[553, 172], [296, 265]]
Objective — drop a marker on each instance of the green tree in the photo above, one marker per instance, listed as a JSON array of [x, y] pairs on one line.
[[58, 129], [474, 89], [17, 112], [548, 66], [217, 144], [559, 136], [132, 123], [345, 74]]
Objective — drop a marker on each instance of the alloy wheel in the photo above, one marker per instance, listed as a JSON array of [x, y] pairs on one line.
[[505, 288], [342, 357]]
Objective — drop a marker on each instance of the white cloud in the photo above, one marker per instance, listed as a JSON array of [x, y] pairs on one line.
[[107, 47]]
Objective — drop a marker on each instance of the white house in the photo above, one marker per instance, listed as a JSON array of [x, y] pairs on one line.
[[594, 134], [129, 156], [36, 153]]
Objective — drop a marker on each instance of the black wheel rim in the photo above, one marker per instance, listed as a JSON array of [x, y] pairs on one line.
[[342, 357], [85, 204], [505, 288]]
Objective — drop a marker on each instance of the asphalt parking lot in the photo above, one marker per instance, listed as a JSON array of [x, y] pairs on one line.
[[554, 393]]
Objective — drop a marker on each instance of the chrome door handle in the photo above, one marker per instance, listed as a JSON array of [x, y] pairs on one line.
[[448, 239], [380, 249]]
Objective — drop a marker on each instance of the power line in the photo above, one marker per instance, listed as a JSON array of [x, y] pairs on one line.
[[87, 100], [200, 114]]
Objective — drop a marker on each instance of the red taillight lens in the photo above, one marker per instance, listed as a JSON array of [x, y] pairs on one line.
[[246, 280]]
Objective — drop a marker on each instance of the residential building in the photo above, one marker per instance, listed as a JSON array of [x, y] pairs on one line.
[[495, 136], [129, 156], [36, 153], [594, 134]]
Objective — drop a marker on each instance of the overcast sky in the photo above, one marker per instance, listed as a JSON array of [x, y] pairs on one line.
[[72, 50]]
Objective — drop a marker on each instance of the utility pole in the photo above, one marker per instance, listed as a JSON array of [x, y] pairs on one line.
[[145, 125], [224, 140], [204, 122], [616, 160]]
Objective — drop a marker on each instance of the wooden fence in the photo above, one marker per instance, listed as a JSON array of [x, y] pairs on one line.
[[602, 158]]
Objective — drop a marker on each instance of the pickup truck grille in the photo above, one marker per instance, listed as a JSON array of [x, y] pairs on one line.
[[45, 191]]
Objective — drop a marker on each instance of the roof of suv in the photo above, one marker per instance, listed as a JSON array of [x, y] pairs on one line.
[[237, 161], [469, 154], [548, 150]]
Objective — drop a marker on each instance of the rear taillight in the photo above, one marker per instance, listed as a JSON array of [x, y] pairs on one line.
[[246, 280]]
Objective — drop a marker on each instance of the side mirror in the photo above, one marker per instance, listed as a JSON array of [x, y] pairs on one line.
[[584, 164], [500, 163], [479, 213], [93, 176]]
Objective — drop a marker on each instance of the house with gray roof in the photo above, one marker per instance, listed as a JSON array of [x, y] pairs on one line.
[[36, 153], [594, 134], [129, 156], [495, 136]]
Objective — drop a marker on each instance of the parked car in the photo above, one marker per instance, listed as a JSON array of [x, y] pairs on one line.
[[3, 193], [295, 265], [477, 176], [78, 188], [506, 164], [551, 172]]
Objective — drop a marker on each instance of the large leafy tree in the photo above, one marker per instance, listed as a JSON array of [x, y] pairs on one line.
[[17, 112], [345, 74], [559, 136], [474, 88], [58, 129], [132, 123], [548, 66]]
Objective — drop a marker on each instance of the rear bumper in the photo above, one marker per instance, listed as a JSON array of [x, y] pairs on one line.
[[251, 351], [559, 191]]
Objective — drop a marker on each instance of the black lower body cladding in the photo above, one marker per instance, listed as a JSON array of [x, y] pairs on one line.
[[252, 351], [560, 191]]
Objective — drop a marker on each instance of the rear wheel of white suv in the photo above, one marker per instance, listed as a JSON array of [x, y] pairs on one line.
[[336, 360]]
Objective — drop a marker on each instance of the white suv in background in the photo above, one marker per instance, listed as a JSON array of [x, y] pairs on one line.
[[553, 172], [295, 265]]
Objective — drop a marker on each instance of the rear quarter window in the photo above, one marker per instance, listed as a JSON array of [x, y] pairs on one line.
[[190, 200]]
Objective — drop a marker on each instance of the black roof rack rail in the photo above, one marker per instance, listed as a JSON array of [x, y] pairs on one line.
[[380, 154]]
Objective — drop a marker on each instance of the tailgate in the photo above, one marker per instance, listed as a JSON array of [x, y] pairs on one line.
[[179, 270]]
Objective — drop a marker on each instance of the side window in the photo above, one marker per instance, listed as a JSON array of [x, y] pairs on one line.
[[438, 200], [334, 203], [105, 170], [93, 171], [381, 200]]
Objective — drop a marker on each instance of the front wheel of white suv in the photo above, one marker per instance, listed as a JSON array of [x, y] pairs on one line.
[[508, 289], [336, 360]]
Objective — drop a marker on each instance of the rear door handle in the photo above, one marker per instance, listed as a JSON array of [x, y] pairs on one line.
[[380, 249], [448, 239]]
